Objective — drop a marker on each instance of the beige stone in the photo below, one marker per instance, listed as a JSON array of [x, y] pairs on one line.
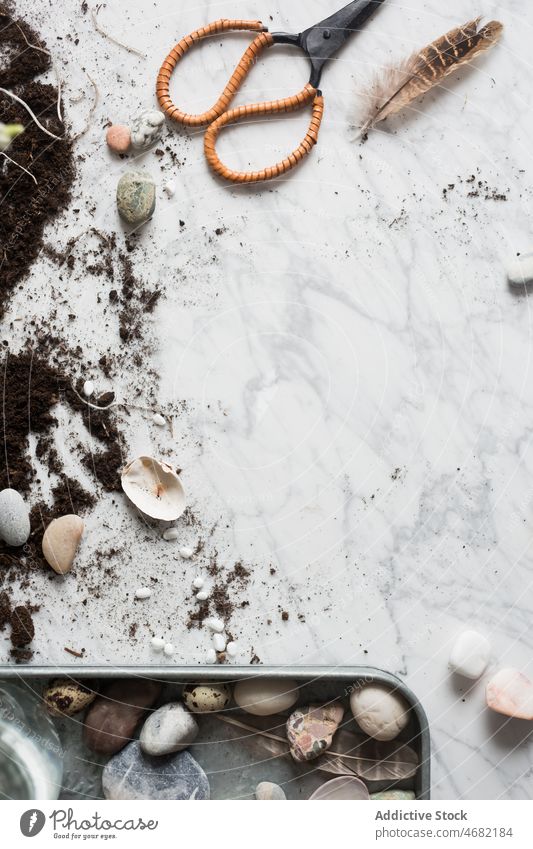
[[60, 542]]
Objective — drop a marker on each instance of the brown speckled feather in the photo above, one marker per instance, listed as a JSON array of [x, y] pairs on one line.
[[396, 87]]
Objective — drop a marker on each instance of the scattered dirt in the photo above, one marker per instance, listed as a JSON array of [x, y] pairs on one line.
[[22, 630]]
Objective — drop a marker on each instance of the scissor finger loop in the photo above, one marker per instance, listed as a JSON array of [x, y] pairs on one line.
[[287, 104], [248, 59]]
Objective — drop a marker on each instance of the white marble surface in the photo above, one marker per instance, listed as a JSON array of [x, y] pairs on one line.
[[352, 372]]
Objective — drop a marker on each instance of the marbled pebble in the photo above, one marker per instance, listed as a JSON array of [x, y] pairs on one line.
[[133, 775], [136, 197]]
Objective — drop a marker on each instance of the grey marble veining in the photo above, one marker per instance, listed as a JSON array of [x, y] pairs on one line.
[[352, 371]]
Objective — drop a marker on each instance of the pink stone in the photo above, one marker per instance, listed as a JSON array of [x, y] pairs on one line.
[[310, 730], [118, 138], [511, 693]]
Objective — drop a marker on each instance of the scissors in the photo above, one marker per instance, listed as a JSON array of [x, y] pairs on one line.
[[319, 43]]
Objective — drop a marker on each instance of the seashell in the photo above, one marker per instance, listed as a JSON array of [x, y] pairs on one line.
[[343, 788], [155, 488]]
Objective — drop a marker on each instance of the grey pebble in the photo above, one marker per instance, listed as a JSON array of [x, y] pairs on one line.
[[268, 791], [136, 197], [14, 518], [146, 129], [171, 728], [133, 775]]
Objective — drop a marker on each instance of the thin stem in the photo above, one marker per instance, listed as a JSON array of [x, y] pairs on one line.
[[111, 38], [27, 108], [19, 166]]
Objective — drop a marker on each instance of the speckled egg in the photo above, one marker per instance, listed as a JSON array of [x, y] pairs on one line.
[[65, 697], [206, 698]]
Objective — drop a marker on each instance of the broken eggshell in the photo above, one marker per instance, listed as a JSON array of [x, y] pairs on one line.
[[155, 488]]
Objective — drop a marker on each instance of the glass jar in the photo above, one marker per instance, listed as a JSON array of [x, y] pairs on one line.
[[31, 756]]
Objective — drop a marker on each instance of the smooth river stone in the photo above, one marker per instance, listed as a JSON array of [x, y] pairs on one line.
[[169, 729], [112, 719], [118, 138], [393, 796], [146, 129], [470, 654], [60, 542], [510, 692], [310, 730], [266, 696], [268, 791], [14, 518], [136, 197], [379, 711], [133, 775]]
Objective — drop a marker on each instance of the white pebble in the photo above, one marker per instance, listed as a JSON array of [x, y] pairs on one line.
[[168, 649], [143, 592], [158, 644], [203, 595], [215, 625], [170, 188], [158, 420], [171, 534], [88, 388], [520, 271], [231, 649], [219, 642], [186, 552], [198, 583], [470, 654], [211, 656]]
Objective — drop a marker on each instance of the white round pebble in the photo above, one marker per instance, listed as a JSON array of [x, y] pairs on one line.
[[171, 534], [216, 625], [211, 656], [198, 583], [470, 654], [158, 644], [231, 649], [158, 420], [88, 388], [186, 552], [203, 595], [170, 188], [520, 271], [143, 592], [168, 649], [219, 642]]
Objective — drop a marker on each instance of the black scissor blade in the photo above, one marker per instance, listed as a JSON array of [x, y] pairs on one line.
[[322, 41]]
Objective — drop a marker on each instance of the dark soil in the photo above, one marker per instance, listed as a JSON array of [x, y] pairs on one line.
[[27, 207], [22, 630]]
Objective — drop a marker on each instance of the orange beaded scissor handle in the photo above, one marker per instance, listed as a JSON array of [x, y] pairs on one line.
[[218, 117]]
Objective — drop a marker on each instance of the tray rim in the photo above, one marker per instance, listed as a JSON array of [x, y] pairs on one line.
[[230, 674]]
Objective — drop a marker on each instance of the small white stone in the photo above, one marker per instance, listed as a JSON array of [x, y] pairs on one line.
[[232, 649], [198, 583], [88, 388], [520, 271], [15, 525], [171, 534], [203, 595], [219, 642], [470, 654], [215, 625], [143, 592], [159, 420], [158, 644], [211, 656], [186, 552], [168, 649], [170, 188]]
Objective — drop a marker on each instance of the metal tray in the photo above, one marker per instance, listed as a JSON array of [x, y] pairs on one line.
[[316, 682]]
